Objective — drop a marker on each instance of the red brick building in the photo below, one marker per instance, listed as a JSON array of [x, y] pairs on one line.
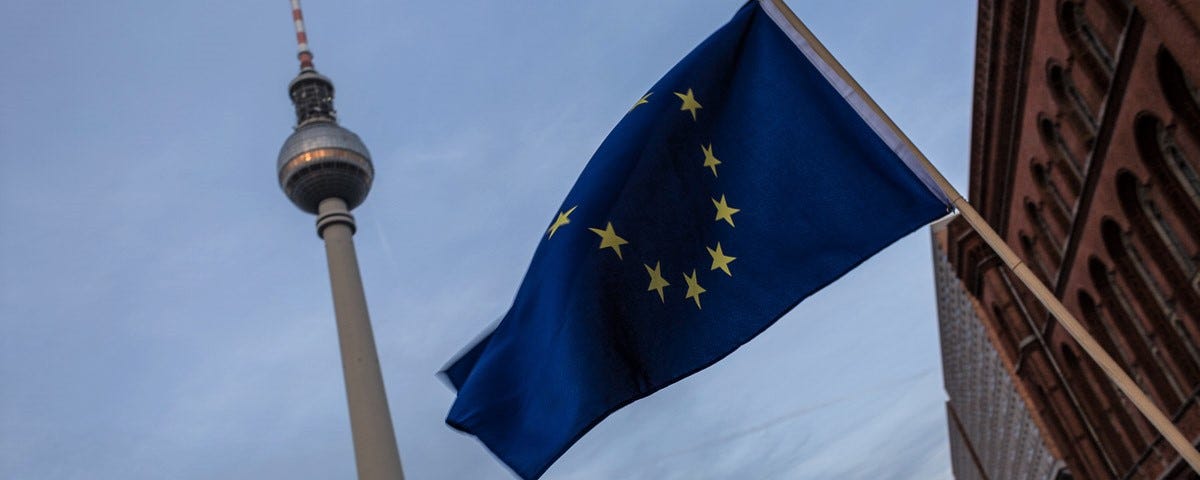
[[1085, 157]]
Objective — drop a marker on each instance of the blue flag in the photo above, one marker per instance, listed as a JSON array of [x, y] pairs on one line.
[[746, 179]]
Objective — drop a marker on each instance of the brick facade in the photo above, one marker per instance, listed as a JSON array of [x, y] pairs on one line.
[[1085, 156]]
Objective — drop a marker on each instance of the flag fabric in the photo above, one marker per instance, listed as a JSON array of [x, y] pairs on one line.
[[747, 178]]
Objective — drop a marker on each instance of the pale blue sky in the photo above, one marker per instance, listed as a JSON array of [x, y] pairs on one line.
[[165, 311]]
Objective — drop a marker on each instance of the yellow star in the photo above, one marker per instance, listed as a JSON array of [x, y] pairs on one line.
[[710, 160], [645, 99], [720, 260], [657, 282], [694, 288], [560, 221], [724, 211], [609, 238], [689, 103]]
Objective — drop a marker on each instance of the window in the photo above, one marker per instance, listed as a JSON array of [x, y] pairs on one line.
[[1071, 100], [1051, 241], [1085, 43], [1174, 171], [1160, 237], [1181, 92], [1098, 394], [1056, 146], [1060, 210], [1141, 342], [1032, 258], [1102, 329], [1147, 296], [1178, 164]]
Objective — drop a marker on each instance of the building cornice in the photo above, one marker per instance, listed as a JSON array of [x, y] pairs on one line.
[[1004, 34]]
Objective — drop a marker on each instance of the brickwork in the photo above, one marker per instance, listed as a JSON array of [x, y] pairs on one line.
[[1085, 157]]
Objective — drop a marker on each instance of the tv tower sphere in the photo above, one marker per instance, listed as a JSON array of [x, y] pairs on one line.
[[321, 159]]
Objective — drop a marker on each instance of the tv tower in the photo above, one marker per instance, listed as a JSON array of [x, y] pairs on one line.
[[326, 170]]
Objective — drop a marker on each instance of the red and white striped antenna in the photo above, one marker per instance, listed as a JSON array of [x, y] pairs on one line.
[[301, 37]]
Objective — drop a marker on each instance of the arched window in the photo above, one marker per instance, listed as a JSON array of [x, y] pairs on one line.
[[1051, 241], [1148, 297], [1085, 43], [1147, 291], [1103, 329], [1071, 101], [1031, 257], [1098, 406], [1056, 146], [1060, 209], [1180, 166], [1055, 429], [1150, 359], [1161, 239], [1181, 92], [1175, 171]]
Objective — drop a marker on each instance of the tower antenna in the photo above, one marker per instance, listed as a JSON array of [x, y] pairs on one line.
[[301, 37]]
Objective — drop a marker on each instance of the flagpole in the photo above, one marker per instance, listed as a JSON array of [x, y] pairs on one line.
[[1126, 384]]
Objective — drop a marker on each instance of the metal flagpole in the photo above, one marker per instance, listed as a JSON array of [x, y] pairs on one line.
[[1135, 394]]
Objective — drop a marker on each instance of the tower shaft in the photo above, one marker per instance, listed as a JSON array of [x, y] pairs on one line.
[[375, 453]]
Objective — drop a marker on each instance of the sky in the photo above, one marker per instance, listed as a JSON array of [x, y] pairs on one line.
[[165, 310]]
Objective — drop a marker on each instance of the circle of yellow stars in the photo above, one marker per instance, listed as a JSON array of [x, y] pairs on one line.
[[610, 239]]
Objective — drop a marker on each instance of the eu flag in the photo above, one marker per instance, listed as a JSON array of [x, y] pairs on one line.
[[739, 184]]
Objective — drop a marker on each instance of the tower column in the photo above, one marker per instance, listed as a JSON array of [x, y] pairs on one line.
[[375, 451]]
